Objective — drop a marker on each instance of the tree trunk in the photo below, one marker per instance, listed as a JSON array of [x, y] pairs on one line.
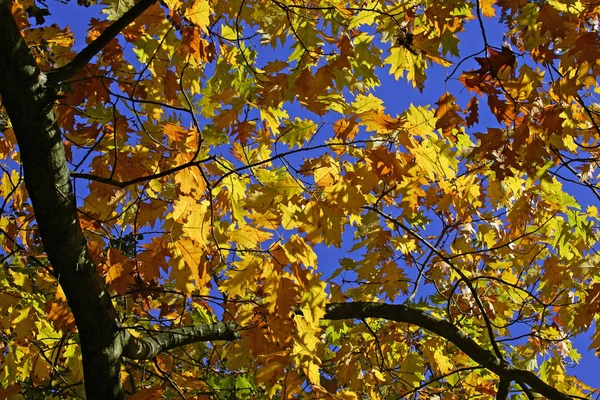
[[29, 104]]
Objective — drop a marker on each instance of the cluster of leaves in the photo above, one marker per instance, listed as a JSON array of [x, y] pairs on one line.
[[237, 161]]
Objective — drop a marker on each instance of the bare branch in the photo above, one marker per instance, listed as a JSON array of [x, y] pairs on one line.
[[84, 56], [149, 347], [447, 330]]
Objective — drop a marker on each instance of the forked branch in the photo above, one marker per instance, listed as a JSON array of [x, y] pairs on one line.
[[84, 56], [153, 344], [484, 357]]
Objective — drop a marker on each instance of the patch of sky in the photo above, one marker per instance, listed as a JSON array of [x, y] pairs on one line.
[[396, 95]]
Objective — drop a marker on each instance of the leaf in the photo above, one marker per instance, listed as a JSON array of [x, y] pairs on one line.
[[402, 60], [119, 269], [249, 237], [297, 132], [384, 162], [487, 8], [175, 132], [472, 112], [346, 129], [241, 280], [447, 115], [344, 196], [434, 352], [196, 46], [303, 350], [197, 226], [194, 256], [296, 249], [313, 300], [148, 394], [116, 8], [364, 104], [61, 317], [199, 14]]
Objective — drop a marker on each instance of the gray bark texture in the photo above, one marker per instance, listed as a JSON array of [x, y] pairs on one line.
[[29, 104], [28, 99]]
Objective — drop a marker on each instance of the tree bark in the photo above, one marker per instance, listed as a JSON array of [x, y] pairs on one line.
[[29, 104], [484, 357], [149, 347]]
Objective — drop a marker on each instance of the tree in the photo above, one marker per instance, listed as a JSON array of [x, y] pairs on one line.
[[212, 199]]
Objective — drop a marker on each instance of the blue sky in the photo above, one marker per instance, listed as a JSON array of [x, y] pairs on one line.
[[397, 95]]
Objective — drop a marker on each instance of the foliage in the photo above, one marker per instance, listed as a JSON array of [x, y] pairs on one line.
[[270, 164]]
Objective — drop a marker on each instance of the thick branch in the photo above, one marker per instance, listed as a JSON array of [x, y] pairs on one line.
[[84, 56], [147, 348], [463, 277], [30, 108], [485, 357]]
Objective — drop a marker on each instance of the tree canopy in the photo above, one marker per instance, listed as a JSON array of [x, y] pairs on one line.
[[249, 199]]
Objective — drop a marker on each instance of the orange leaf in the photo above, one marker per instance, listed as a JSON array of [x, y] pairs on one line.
[[447, 115], [472, 112], [147, 394], [175, 132], [119, 269], [61, 317]]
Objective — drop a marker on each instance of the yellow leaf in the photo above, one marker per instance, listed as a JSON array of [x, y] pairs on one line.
[[241, 279], [324, 176], [268, 370], [344, 195], [347, 395], [182, 275], [433, 350], [412, 370], [304, 349], [296, 249], [313, 300], [199, 14], [182, 206], [311, 369], [402, 60], [380, 377], [420, 121], [248, 237], [175, 132], [436, 158], [173, 4], [193, 256], [487, 7], [190, 180], [73, 362], [41, 369], [197, 226], [236, 187], [289, 219], [363, 104], [23, 323]]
